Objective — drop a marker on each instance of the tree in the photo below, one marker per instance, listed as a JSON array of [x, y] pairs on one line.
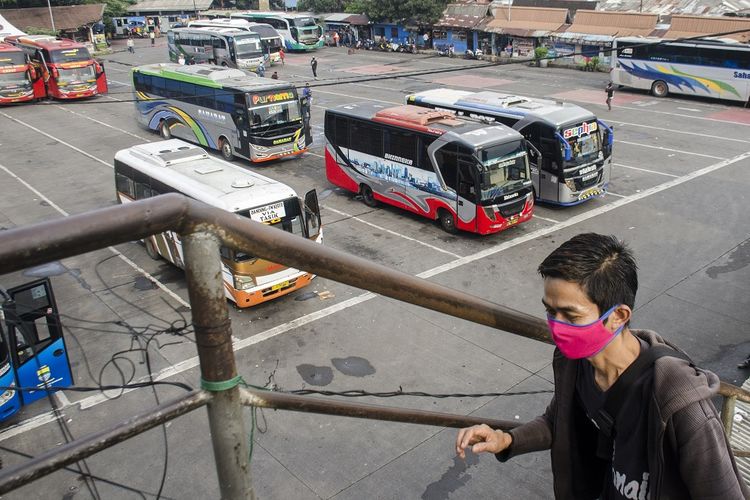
[[321, 5], [425, 12]]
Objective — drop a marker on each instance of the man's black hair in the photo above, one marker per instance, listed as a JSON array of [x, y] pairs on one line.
[[603, 266]]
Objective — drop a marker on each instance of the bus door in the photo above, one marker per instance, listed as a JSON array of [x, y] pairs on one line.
[[545, 170], [312, 213], [35, 77], [10, 400], [458, 168], [35, 338]]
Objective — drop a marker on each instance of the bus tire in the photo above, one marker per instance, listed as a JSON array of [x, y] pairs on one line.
[[226, 149], [164, 130], [659, 88], [447, 221], [368, 197], [151, 250]]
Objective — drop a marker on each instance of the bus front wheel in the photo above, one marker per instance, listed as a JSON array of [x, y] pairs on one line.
[[368, 198], [447, 221], [226, 150], [659, 88], [164, 130], [151, 249]]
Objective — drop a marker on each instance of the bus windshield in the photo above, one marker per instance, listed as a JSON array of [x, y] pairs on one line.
[[77, 75], [584, 141], [304, 22], [248, 46], [277, 113], [70, 55], [506, 166], [17, 79], [12, 59]]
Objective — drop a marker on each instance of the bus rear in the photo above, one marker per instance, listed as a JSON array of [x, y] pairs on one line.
[[306, 34], [465, 174], [19, 81]]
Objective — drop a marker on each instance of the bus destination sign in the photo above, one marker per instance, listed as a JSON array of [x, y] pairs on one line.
[[268, 213]]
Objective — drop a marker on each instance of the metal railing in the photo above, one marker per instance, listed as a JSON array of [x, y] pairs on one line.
[[203, 230]]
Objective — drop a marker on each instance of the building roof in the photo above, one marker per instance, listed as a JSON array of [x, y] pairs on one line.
[[170, 5], [667, 7], [525, 21], [463, 15], [353, 19], [571, 5], [591, 22], [691, 26], [68, 17]]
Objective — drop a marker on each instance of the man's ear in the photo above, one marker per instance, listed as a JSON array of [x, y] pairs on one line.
[[619, 317]]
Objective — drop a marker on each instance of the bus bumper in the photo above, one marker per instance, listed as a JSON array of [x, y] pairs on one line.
[[244, 298]]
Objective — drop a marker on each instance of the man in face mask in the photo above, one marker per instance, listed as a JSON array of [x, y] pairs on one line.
[[631, 417]]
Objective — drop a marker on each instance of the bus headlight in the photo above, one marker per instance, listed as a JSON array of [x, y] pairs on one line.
[[244, 282], [8, 394], [571, 184], [260, 149], [301, 142]]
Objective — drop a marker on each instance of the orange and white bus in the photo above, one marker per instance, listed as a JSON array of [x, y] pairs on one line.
[[66, 67], [175, 166], [19, 81]]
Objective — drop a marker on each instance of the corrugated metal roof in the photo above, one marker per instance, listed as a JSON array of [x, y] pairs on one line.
[[690, 26], [666, 7], [170, 5], [355, 19], [69, 17], [613, 23], [740, 438], [525, 21], [463, 15]]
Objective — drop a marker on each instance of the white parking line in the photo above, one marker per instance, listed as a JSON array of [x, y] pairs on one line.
[[662, 129], [103, 123], [546, 218], [394, 233], [644, 170], [610, 193], [193, 362], [354, 96], [661, 148]]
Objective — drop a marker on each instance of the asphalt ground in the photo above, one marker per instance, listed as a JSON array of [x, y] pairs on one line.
[[678, 195]]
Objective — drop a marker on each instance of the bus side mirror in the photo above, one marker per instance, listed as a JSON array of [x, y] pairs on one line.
[[533, 151], [32, 74], [485, 178], [312, 208]]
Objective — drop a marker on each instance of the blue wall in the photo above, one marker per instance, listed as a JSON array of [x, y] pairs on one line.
[[386, 29]]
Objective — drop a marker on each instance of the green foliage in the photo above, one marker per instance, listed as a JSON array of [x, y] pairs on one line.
[[540, 52], [321, 5], [409, 11], [36, 31]]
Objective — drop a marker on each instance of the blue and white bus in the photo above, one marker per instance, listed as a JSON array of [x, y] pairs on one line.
[[576, 148], [300, 31], [704, 68], [32, 347]]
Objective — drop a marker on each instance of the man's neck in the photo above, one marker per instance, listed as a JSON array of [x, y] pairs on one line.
[[615, 359]]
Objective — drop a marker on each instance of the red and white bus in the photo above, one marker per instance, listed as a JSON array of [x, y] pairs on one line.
[[66, 67], [19, 81], [467, 174]]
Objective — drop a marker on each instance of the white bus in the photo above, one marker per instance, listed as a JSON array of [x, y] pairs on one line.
[[705, 68], [227, 47], [175, 166], [299, 31], [270, 39]]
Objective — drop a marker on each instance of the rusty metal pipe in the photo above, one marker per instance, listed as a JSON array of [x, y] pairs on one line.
[[308, 404], [69, 453]]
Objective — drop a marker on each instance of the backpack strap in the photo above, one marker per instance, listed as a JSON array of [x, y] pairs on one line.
[[617, 394]]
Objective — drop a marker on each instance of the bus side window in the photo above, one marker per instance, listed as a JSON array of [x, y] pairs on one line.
[[187, 93], [224, 101], [142, 191], [206, 98], [466, 176], [447, 162], [367, 138], [402, 145], [171, 89], [341, 131], [423, 158], [125, 185]]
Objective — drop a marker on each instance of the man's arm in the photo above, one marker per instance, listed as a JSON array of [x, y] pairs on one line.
[[705, 463]]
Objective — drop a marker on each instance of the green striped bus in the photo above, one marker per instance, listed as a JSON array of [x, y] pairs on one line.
[[237, 113]]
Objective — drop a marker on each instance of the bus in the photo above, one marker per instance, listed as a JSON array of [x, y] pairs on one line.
[[575, 164], [33, 355], [270, 40], [704, 68], [239, 114], [175, 166], [299, 30], [19, 81], [466, 174], [226, 47], [65, 66]]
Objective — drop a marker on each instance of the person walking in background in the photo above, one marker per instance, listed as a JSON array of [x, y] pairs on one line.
[[181, 59], [610, 90], [152, 36], [131, 46], [306, 100], [261, 70], [314, 66], [275, 76], [282, 55]]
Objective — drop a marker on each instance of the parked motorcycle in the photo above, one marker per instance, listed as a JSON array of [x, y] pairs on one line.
[[473, 54]]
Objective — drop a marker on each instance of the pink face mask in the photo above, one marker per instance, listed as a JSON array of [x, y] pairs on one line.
[[582, 341]]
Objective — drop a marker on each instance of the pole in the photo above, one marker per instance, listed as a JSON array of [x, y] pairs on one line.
[[510, 3], [213, 337], [51, 17]]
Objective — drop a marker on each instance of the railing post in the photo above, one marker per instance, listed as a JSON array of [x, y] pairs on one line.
[[213, 337]]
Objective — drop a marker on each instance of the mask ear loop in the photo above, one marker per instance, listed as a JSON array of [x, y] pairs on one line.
[[605, 317]]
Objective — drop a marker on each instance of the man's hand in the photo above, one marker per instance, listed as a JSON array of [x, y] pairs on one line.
[[482, 438]]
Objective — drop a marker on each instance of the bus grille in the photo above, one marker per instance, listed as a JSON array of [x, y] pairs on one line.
[[588, 183], [512, 209]]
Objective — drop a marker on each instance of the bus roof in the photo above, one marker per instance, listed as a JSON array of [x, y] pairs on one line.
[[46, 42], [214, 76], [430, 121], [7, 47], [222, 30], [265, 13], [555, 113], [264, 30], [191, 171], [717, 42]]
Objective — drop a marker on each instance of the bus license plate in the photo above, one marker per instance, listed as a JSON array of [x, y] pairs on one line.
[[589, 176], [268, 213], [279, 286]]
